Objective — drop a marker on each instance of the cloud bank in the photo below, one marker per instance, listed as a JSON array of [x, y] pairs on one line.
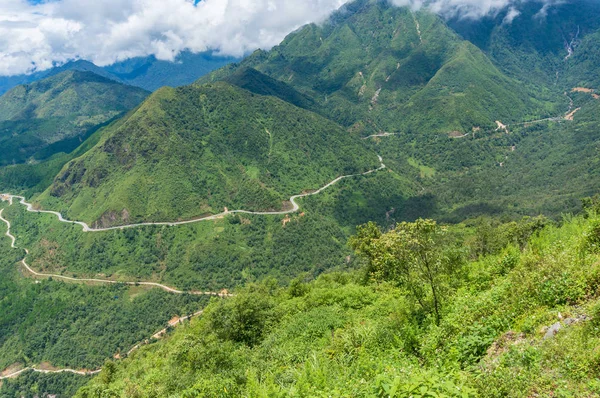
[[38, 34]]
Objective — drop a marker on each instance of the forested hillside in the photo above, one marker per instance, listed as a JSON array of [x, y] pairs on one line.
[[503, 124], [56, 325], [379, 68], [192, 151], [481, 309], [391, 199], [58, 113]]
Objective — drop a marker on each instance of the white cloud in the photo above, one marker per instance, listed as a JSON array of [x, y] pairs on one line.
[[38, 36], [511, 15]]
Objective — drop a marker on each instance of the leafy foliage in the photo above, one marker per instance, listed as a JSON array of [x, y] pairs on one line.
[[344, 335], [412, 256]]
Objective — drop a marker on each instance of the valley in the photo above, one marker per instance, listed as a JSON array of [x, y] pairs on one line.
[[393, 202]]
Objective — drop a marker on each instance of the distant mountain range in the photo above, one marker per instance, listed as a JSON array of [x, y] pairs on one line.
[[147, 73], [58, 113]]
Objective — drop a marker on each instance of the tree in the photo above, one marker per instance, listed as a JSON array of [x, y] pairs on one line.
[[244, 318], [414, 256]]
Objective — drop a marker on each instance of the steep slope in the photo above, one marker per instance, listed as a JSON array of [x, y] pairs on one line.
[[539, 42], [252, 80], [57, 109], [195, 150], [520, 321], [373, 66], [582, 68]]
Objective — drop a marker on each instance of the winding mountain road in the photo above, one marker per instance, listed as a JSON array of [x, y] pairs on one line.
[[294, 209], [87, 228], [93, 280], [77, 372], [158, 335], [161, 333]]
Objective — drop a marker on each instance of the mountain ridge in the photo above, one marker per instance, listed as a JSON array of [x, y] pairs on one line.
[[143, 72], [370, 66], [160, 142], [60, 108]]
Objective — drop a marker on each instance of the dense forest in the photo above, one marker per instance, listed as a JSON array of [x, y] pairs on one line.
[[73, 325]]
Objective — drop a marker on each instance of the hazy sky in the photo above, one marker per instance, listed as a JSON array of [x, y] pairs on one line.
[[36, 34]]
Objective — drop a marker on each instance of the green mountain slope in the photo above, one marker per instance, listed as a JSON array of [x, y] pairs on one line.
[[369, 334], [382, 68], [535, 45], [252, 80], [195, 150], [582, 69], [36, 120]]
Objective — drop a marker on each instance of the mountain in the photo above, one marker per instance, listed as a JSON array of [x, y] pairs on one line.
[[195, 150], [9, 82], [58, 112], [537, 42], [152, 74], [145, 72], [457, 79], [439, 101], [252, 80], [379, 68]]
